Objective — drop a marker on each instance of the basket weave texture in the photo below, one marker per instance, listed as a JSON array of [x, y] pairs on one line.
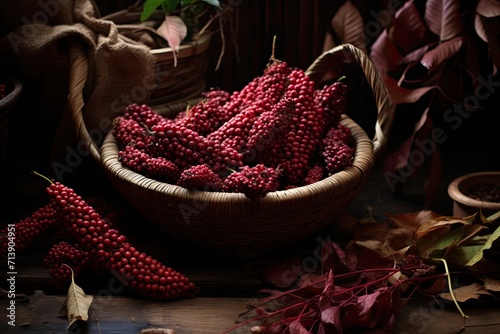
[[185, 79], [233, 224]]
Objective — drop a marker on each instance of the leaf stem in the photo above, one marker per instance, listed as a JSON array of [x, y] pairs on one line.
[[42, 176], [451, 288]]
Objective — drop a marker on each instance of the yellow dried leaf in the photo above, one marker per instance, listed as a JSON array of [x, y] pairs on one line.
[[77, 303]]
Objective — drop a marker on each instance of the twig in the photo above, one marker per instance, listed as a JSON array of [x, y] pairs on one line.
[[451, 288]]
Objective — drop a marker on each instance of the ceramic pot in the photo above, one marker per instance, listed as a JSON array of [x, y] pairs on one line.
[[460, 188]]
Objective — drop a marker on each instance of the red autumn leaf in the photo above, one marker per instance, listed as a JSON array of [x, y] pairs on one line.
[[349, 26], [443, 18], [407, 22], [385, 55], [401, 95], [415, 55], [370, 310], [480, 30], [442, 52], [333, 257], [488, 8], [332, 316], [408, 155], [368, 258], [492, 28], [296, 327]]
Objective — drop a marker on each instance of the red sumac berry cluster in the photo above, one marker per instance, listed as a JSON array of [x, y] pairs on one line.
[[279, 121], [90, 241]]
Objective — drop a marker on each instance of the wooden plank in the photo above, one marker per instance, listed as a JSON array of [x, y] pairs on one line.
[[110, 314], [114, 314]]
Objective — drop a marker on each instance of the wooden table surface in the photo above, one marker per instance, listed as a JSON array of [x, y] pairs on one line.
[[227, 285]]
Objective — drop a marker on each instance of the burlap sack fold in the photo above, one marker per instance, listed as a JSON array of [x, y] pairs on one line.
[[120, 69]]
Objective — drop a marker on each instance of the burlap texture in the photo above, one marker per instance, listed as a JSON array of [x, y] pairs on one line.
[[120, 69], [38, 42]]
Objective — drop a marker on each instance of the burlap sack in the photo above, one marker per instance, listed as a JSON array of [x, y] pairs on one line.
[[39, 39], [120, 69]]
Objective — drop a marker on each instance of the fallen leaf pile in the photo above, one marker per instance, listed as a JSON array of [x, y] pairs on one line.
[[362, 284]]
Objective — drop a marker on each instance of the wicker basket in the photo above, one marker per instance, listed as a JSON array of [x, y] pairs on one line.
[[172, 83], [231, 223]]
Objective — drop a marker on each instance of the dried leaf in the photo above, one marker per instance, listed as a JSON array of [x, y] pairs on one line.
[[464, 293], [488, 8], [437, 286], [492, 284], [440, 222], [407, 22], [385, 55], [442, 52], [479, 26], [415, 55], [349, 26], [435, 245], [412, 221], [399, 278], [77, 303], [443, 18], [492, 28], [401, 95], [401, 157], [433, 15], [384, 250]]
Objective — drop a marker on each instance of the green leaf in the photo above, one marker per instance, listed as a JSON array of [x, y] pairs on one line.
[[430, 247], [462, 254], [169, 6], [214, 3], [149, 7], [487, 245]]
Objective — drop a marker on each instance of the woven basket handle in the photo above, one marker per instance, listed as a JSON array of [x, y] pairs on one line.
[[334, 60], [78, 79]]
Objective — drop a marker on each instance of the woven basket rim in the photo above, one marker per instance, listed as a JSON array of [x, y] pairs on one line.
[[362, 164], [13, 95], [326, 62]]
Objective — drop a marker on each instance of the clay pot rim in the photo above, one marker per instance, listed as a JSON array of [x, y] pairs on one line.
[[457, 195]]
